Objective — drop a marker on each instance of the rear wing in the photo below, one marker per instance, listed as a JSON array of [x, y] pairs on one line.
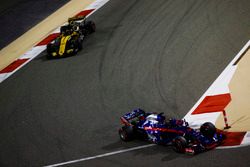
[[76, 18], [125, 119]]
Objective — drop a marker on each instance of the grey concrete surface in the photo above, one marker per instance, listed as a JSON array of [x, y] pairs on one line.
[[158, 55], [18, 16]]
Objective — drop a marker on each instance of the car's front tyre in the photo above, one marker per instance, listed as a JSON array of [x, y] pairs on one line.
[[208, 129], [126, 133], [49, 51], [179, 144]]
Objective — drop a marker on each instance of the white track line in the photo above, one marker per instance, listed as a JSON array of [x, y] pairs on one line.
[[101, 155]]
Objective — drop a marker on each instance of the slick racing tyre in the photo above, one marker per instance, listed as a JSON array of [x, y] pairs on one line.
[[179, 144], [76, 45], [49, 51], [90, 25], [126, 133], [79, 44], [63, 29], [208, 129]]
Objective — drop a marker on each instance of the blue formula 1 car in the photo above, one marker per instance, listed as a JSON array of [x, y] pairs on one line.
[[153, 127]]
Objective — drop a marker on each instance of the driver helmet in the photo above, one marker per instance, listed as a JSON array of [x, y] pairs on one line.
[[176, 122], [161, 118], [156, 118]]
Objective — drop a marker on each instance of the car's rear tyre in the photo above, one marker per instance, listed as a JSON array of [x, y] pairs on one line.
[[179, 144], [126, 133], [91, 26], [208, 129], [79, 44], [63, 29], [49, 51], [75, 44]]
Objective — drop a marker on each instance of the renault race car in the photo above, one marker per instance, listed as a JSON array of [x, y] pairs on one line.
[[71, 37], [154, 128]]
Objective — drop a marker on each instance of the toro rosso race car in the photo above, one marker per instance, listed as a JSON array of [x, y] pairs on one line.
[[154, 128], [70, 40]]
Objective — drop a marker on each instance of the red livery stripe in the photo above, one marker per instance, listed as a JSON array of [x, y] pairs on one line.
[[164, 130], [213, 104], [48, 39], [13, 66]]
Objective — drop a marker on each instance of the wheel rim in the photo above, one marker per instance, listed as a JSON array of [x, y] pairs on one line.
[[123, 135], [178, 146]]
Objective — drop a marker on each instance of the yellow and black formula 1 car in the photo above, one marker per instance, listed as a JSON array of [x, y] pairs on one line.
[[71, 37]]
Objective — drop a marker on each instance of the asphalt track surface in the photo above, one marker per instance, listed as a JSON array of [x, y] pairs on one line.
[[158, 55]]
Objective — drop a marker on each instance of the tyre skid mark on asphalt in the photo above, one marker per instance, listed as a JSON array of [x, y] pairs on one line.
[[216, 97], [213, 90]]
